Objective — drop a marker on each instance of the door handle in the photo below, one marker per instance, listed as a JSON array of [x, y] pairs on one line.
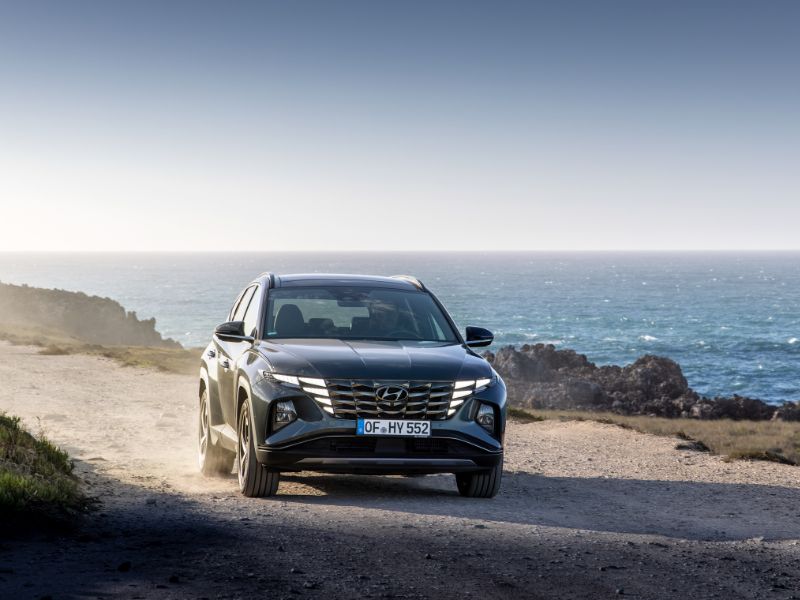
[[225, 363]]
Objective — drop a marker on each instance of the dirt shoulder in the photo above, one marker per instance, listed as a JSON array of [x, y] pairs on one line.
[[586, 511]]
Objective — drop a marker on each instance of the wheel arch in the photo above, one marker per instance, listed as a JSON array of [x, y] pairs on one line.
[[207, 385], [259, 407], [203, 385], [243, 394]]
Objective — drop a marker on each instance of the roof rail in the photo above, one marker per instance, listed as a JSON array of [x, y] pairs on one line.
[[409, 278], [269, 276]]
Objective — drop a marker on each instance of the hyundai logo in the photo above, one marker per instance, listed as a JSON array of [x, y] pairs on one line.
[[391, 394]]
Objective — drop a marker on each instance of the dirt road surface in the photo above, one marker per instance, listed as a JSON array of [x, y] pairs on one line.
[[586, 511]]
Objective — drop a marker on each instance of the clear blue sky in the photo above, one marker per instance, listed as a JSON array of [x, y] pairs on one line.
[[417, 125]]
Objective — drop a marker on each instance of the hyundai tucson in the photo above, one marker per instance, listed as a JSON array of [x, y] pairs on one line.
[[348, 374]]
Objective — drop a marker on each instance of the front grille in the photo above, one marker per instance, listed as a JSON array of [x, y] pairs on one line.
[[352, 399]]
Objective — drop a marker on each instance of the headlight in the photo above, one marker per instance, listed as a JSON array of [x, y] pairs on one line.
[[289, 380], [485, 417], [465, 388], [314, 387]]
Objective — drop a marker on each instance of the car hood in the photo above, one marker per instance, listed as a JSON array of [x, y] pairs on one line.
[[368, 359]]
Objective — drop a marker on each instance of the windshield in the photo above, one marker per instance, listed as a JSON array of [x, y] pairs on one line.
[[362, 313]]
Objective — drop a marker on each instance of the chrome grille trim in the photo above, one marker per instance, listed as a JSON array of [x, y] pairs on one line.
[[356, 398]]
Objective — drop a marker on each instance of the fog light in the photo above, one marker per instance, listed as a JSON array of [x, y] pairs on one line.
[[283, 415], [485, 417]]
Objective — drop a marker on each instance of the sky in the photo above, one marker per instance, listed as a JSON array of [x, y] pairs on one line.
[[231, 126]]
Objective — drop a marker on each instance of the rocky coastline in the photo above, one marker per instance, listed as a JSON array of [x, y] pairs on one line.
[[541, 376], [88, 319]]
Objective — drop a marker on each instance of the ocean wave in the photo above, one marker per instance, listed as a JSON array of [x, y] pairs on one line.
[[793, 341], [648, 338]]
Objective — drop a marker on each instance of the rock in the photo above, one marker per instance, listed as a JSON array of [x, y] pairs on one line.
[[540, 376], [789, 411], [740, 407], [693, 445]]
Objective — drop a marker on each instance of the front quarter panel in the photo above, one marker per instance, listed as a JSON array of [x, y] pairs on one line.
[[247, 386]]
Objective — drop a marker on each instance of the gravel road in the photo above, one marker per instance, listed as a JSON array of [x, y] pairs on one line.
[[586, 511]]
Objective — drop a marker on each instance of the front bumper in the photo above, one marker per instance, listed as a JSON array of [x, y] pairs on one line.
[[317, 441], [384, 455]]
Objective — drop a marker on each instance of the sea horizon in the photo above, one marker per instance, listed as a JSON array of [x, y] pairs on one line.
[[730, 318]]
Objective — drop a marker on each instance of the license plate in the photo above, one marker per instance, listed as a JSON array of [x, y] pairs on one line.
[[393, 427]]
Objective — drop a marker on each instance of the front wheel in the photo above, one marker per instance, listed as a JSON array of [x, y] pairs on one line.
[[255, 480], [480, 484], [213, 459]]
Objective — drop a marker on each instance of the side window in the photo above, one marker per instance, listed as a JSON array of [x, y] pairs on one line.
[[235, 305], [251, 314], [239, 314]]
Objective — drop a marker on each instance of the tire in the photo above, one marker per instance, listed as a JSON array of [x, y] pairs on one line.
[[480, 484], [255, 480], [213, 460]]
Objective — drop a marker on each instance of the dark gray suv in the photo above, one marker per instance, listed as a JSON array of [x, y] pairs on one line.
[[348, 374]]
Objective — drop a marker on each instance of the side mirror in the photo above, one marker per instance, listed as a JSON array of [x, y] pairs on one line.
[[478, 336], [232, 331]]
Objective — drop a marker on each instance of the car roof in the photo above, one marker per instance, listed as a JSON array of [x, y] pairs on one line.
[[402, 282]]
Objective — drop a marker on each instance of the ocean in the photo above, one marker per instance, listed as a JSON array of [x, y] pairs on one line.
[[732, 320]]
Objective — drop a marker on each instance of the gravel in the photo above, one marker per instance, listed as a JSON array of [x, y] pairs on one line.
[[586, 511]]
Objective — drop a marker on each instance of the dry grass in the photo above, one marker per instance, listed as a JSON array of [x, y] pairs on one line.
[[170, 360], [522, 415], [35, 336], [736, 440]]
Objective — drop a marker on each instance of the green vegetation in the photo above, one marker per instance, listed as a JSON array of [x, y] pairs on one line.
[[36, 480], [776, 441]]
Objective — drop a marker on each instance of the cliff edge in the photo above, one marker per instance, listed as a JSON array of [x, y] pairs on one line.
[[89, 319]]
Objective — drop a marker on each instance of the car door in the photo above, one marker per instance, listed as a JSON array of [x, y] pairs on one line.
[[228, 352]]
